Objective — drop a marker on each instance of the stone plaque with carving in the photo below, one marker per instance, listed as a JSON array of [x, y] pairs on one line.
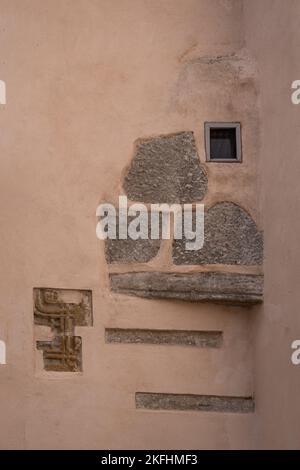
[[62, 310]]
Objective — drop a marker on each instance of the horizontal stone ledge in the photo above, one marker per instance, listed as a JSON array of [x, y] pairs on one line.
[[186, 402], [198, 339], [229, 288]]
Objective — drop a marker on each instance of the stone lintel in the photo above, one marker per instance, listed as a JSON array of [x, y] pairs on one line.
[[230, 288]]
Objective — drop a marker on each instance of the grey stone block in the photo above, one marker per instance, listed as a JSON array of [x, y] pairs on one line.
[[232, 288], [131, 251], [184, 402], [199, 339], [166, 169], [230, 237]]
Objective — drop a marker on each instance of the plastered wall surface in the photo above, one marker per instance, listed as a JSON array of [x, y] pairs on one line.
[[273, 36], [86, 79]]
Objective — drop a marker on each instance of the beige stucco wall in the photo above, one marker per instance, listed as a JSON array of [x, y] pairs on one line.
[[272, 33], [85, 79]]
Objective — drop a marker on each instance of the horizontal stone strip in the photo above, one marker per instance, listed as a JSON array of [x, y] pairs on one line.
[[183, 402], [199, 339], [232, 288]]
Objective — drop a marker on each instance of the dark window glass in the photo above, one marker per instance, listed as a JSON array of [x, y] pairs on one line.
[[223, 144]]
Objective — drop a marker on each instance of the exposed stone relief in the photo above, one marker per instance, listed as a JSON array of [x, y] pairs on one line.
[[230, 237], [56, 309], [166, 169]]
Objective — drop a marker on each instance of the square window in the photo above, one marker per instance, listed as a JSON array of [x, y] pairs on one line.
[[223, 142]]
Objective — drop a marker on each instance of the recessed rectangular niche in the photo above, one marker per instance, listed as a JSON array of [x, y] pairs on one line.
[[223, 142], [198, 339], [187, 402]]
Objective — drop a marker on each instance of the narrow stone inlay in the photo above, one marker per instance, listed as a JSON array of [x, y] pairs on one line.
[[186, 402], [198, 339]]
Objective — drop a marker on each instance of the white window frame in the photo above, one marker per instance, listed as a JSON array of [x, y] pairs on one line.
[[223, 125]]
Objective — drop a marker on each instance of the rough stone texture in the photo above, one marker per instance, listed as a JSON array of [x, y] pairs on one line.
[[56, 308], [229, 288], [182, 402], [166, 169], [199, 339], [230, 237], [131, 251]]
